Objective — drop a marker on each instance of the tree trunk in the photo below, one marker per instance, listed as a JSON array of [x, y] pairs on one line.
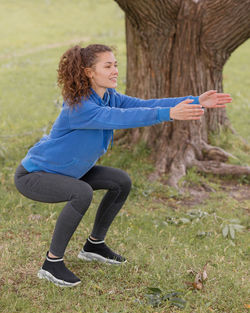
[[178, 48]]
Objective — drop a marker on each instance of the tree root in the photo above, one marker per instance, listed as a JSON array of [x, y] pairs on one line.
[[220, 168], [206, 158], [215, 153]]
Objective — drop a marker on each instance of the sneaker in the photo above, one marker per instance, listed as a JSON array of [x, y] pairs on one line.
[[55, 271], [99, 251]]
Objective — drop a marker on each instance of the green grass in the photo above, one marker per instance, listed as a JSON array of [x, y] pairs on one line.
[[160, 253]]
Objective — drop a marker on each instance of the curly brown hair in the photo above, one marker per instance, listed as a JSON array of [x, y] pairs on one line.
[[71, 76]]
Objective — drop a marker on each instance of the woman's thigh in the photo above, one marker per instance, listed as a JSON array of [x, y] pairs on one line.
[[105, 177], [49, 187]]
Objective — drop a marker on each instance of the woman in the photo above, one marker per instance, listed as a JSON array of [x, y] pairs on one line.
[[61, 166]]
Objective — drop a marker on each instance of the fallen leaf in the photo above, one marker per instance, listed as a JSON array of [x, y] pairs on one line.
[[200, 277], [35, 217], [247, 306], [225, 231], [198, 285], [204, 273], [156, 298], [154, 290], [232, 231], [184, 220], [194, 285]]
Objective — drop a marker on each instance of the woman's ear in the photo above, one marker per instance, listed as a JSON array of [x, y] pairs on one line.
[[88, 72]]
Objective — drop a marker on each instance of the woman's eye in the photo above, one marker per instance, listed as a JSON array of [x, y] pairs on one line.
[[109, 66]]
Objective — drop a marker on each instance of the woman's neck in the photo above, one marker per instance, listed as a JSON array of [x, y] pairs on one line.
[[99, 91]]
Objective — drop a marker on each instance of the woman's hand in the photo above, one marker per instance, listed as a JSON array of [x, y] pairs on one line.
[[186, 111], [212, 99]]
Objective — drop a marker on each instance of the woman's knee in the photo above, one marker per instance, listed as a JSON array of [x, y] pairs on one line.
[[125, 184], [82, 197]]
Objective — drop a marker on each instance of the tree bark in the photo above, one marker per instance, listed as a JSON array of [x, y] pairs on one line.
[[178, 48]]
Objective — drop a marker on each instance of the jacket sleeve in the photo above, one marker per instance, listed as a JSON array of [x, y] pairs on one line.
[[92, 116], [131, 102]]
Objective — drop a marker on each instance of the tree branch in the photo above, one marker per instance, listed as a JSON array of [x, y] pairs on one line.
[[226, 25], [160, 14]]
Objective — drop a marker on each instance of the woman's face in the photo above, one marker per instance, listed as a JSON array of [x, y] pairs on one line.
[[104, 73]]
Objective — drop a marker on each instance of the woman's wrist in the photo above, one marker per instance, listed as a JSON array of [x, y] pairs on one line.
[[171, 114]]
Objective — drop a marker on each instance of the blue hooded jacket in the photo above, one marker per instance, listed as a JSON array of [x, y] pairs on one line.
[[81, 135]]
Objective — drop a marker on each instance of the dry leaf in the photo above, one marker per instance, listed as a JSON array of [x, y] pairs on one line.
[[200, 277], [247, 306], [204, 273], [35, 217], [198, 285], [194, 285]]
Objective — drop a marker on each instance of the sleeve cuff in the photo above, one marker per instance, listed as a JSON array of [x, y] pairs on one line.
[[164, 115], [196, 100]]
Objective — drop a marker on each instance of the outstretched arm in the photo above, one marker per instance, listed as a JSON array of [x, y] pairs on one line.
[[127, 102], [209, 99], [93, 116]]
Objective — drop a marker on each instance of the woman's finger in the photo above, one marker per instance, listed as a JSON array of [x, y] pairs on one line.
[[223, 95], [193, 118], [217, 106], [224, 100], [195, 115], [193, 106], [186, 101], [210, 92], [220, 106], [196, 111]]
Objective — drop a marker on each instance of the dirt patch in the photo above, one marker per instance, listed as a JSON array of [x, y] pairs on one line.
[[237, 191], [199, 193], [196, 197]]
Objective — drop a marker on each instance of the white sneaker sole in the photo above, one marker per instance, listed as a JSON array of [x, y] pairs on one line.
[[89, 256], [42, 274]]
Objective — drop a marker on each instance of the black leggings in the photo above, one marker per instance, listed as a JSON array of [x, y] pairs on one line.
[[53, 188]]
